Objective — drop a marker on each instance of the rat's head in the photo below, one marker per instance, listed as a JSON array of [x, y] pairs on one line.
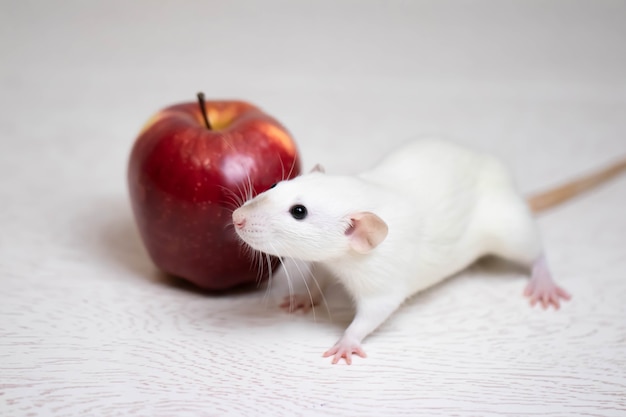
[[311, 218]]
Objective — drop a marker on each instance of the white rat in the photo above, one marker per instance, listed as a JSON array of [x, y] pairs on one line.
[[427, 211]]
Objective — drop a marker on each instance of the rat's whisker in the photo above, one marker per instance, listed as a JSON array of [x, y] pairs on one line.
[[288, 279], [293, 166], [308, 290], [324, 300], [262, 259], [270, 277], [232, 197], [243, 191], [253, 191], [240, 195], [282, 167], [248, 188], [229, 225]]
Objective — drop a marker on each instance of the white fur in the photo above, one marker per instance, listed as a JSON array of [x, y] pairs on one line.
[[444, 206]]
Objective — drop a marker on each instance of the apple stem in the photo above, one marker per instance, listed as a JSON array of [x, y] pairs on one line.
[[203, 109]]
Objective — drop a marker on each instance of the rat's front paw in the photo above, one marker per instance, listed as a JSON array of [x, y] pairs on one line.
[[293, 303], [345, 348]]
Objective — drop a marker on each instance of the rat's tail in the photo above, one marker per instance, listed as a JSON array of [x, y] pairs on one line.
[[557, 195]]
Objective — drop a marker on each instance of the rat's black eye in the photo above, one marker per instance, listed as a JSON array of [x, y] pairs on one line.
[[272, 186], [298, 212]]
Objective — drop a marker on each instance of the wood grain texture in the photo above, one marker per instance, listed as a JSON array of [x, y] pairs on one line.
[[88, 327]]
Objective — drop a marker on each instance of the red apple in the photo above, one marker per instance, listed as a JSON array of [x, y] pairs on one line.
[[189, 168]]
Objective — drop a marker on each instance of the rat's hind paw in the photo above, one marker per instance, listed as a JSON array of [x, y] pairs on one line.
[[345, 348], [297, 302], [547, 295], [543, 289]]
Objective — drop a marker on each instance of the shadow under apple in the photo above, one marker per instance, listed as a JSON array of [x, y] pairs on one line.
[[118, 242]]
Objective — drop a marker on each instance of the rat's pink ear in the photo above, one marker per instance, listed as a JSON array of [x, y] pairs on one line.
[[318, 168], [366, 231]]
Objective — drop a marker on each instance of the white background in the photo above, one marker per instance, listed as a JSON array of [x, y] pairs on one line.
[[89, 327]]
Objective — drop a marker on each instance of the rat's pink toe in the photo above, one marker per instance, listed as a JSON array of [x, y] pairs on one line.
[[563, 294], [297, 302], [344, 349], [542, 288]]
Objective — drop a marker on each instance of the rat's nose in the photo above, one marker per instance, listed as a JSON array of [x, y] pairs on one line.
[[239, 220]]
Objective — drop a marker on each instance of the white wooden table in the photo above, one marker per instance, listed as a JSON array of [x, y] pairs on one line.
[[89, 327]]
